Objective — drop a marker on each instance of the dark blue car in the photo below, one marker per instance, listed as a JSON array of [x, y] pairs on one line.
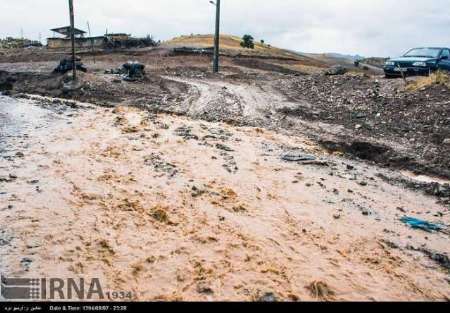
[[418, 61]]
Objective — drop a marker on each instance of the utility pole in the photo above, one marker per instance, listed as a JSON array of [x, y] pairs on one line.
[[72, 38], [92, 41], [217, 38]]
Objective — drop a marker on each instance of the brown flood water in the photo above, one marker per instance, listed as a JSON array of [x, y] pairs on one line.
[[177, 209]]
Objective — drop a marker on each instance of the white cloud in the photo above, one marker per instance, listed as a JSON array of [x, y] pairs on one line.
[[369, 27]]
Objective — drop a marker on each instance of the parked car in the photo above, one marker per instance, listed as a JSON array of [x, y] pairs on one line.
[[418, 61]]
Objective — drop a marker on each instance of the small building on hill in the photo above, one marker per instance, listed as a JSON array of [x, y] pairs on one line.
[[108, 41], [80, 40]]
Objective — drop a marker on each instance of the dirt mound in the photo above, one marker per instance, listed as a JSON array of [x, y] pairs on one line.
[[416, 123]]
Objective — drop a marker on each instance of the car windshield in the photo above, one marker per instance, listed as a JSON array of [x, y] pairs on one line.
[[423, 52]]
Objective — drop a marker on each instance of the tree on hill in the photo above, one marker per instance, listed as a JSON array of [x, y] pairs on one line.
[[248, 42]]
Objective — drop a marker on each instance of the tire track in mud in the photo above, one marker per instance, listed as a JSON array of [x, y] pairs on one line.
[[245, 104]]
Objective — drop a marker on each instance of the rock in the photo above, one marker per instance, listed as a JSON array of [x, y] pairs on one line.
[[268, 297], [20, 155], [336, 70], [446, 142], [26, 262], [186, 133], [297, 157], [5, 238], [204, 289], [223, 147]]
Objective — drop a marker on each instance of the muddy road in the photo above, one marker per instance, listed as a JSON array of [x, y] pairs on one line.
[[175, 208], [260, 183]]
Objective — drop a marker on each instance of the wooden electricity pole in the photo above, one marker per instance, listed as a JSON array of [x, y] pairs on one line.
[[217, 39], [72, 38], [92, 41]]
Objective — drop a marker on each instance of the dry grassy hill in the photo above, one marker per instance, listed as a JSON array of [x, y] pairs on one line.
[[230, 45]]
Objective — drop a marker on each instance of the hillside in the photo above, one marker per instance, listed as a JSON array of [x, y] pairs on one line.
[[230, 45]]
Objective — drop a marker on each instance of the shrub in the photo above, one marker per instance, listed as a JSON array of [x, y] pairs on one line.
[[248, 42]]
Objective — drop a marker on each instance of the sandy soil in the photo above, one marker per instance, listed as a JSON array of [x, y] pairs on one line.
[[173, 208]]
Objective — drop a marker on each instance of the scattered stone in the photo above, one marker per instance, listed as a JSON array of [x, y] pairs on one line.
[[268, 297], [336, 70], [5, 238], [203, 288], [196, 192], [297, 157], [160, 165], [363, 183], [223, 147], [186, 133], [20, 155], [26, 263]]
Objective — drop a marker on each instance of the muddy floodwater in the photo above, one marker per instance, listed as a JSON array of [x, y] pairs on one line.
[[171, 208]]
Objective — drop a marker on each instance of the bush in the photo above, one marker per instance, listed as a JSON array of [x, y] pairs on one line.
[[248, 42], [437, 78]]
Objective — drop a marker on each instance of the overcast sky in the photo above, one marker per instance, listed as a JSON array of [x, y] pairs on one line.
[[366, 27]]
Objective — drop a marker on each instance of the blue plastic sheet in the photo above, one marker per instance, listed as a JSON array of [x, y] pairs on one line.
[[420, 224]]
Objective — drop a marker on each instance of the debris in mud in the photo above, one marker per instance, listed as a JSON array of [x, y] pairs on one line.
[[415, 223], [320, 290], [130, 71], [160, 165], [66, 65], [134, 71]]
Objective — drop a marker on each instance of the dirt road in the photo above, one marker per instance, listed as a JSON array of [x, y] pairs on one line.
[[174, 208]]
